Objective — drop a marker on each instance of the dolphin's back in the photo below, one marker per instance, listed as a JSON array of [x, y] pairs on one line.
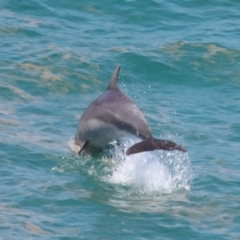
[[120, 111], [112, 110]]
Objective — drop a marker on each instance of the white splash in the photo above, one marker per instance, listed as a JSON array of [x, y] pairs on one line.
[[75, 148], [148, 173]]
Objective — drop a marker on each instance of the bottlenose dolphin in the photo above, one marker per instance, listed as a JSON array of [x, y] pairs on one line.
[[113, 115]]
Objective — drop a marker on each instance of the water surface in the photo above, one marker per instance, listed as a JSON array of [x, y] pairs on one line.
[[180, 64]]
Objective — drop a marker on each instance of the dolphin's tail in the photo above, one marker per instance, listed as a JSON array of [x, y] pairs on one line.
[[151, 144]]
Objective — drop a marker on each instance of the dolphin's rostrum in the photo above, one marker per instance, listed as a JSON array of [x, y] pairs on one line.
[[113, 115]]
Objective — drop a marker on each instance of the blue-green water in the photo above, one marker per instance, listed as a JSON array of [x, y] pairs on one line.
[[180, 64]]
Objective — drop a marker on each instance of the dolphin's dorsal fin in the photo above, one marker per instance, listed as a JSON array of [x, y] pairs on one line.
[[113, 83]]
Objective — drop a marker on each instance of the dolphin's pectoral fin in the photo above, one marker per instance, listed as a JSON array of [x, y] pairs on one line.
[[83, 146], [151, 144]]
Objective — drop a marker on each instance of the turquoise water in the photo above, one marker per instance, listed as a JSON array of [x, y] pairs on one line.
[[180, 64]]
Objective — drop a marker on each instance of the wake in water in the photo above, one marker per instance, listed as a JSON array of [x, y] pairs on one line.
[[148, 173]]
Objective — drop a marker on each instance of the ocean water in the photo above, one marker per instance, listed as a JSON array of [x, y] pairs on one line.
[[180, 64]]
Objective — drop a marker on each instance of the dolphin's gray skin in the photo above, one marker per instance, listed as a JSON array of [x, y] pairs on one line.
[[113, 115]]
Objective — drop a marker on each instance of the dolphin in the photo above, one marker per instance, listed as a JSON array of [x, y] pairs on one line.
[[110, 117]]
